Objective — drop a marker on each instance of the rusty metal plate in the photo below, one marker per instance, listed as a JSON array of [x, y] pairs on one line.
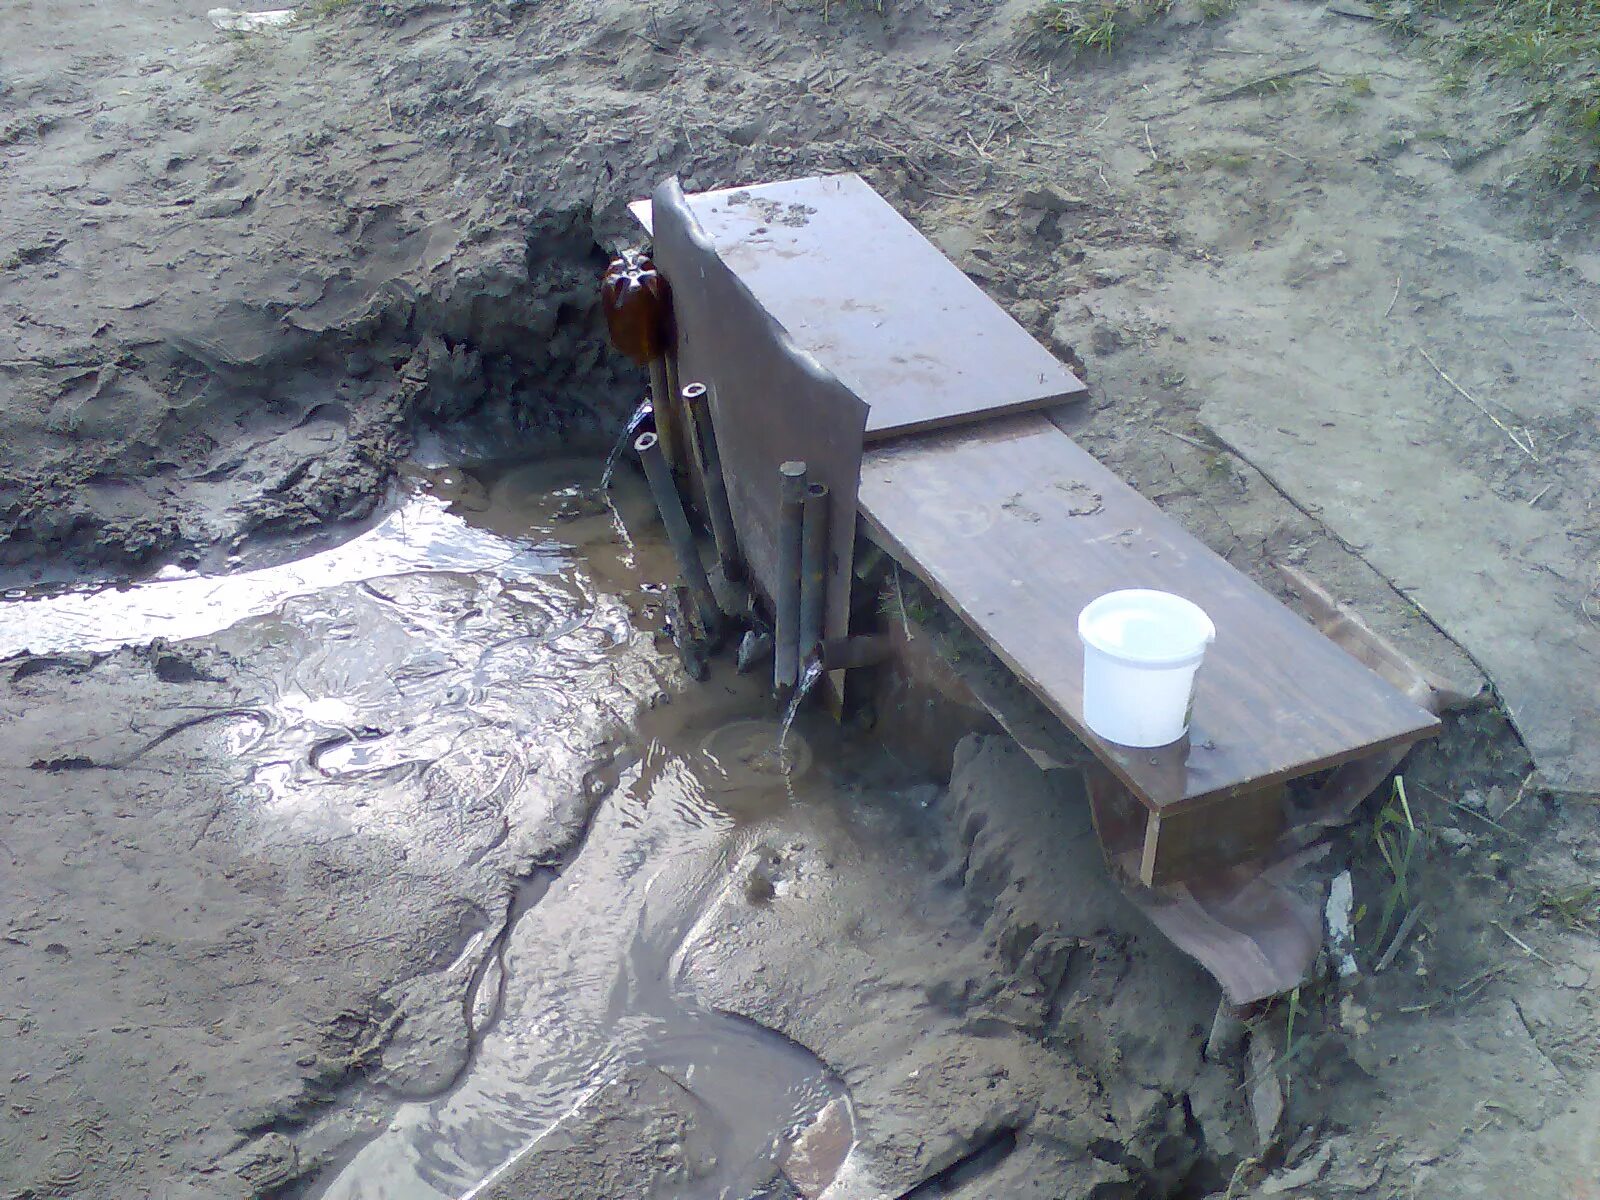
[[770, 401], [854, 284]]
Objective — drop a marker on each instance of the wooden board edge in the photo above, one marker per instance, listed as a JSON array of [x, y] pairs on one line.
[[643, 211], [876, 438]]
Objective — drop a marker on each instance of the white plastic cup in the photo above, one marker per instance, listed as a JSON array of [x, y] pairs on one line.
[[1141, 650]]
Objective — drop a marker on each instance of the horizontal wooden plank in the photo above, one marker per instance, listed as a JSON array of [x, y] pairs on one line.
[[854, 284], [1017, 528]]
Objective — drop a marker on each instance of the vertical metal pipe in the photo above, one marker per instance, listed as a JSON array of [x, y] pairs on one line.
[[659, 474], [813, 569], [694, 403], [786, 591], [669, 423]]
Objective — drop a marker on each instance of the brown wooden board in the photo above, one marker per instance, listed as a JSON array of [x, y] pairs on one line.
[[1246, 924], [1201, 839], [770, 401], [854, 284], [1017, 528]]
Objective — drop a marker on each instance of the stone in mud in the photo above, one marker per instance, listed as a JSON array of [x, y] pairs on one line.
[[1266, 1091], [813, 1160], [643, 1134]]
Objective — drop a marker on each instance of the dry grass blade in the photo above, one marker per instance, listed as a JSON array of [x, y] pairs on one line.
[[1479, 405], [1471, 812], [1392, 298], [1592, 327], [1526, 949], [1267, 83], [1399, 940], [1522, 791], [1464, 991]]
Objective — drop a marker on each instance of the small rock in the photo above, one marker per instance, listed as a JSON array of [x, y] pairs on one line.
[[748, 133], [1307, 1172], [1454, 839], [754, 649], [1050, 199], [1266, 1093], [1341, 937]]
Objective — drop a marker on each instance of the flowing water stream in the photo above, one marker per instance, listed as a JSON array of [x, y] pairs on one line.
[[439, 683]]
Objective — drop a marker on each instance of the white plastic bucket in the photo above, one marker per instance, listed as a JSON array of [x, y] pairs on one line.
[[1141, 650]]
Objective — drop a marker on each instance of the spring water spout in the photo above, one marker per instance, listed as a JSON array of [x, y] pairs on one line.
[[814, 671], [640, 416]]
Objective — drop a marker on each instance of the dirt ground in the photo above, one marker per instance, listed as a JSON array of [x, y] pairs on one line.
[[239, 273]]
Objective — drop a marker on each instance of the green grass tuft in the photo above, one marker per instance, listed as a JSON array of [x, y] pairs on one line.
[[1399, 841], [1090, 26], [1553, 45]]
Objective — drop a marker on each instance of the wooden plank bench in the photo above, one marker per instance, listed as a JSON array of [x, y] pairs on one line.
[[1017, 528]]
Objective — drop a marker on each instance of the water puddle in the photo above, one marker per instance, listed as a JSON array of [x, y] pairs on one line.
[[478, 667], [592, 982], [424, 534]]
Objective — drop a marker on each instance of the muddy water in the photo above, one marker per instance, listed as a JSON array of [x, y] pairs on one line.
[[474, 665], [422, 535], [587, 981]]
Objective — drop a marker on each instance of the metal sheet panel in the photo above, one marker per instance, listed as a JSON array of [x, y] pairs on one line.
[[770, 401]]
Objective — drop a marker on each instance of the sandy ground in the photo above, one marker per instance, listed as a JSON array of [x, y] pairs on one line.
[[237, 270]]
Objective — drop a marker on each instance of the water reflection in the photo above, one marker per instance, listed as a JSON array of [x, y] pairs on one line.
[[422, 535]]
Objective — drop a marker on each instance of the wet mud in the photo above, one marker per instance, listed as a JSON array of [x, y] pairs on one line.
[[414, 862], [647, 936]]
